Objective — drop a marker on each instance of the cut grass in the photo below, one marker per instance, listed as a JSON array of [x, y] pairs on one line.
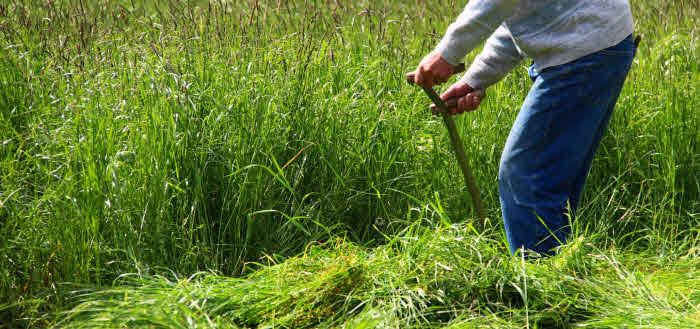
[[449, 277]]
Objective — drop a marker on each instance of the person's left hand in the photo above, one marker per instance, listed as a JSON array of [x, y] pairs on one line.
[[468, 99], [433, 70]]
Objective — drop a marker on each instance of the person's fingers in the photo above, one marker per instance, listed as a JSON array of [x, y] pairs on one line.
[[418, 78], [473, 102], [427, 78], [463, 104], [450, 92], [424, 76], [466, 103], [469, 102], [477, 102], [458, 89], [480, 93]]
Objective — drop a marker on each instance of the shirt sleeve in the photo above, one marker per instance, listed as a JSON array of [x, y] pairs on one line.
[[499, 56], [479, 19]]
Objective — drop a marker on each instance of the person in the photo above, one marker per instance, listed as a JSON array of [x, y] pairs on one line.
[[581, 52]]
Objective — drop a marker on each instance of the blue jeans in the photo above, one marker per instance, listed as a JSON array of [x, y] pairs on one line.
[[551, 145]]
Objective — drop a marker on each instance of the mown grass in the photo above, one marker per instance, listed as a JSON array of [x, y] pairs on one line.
[[189, 137], [452, 277]]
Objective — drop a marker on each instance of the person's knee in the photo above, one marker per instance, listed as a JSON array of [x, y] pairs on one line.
[[513, 180], [506, 168], [505, 178]]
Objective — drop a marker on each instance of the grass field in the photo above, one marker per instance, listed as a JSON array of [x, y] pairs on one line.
[[262, 164]]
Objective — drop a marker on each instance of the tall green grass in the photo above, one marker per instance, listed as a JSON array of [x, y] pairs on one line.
[[191, 136]]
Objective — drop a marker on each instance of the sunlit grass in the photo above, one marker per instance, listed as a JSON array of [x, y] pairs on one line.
[[448, 277]]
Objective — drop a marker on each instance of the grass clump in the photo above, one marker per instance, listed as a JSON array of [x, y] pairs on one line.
[[452, 277]]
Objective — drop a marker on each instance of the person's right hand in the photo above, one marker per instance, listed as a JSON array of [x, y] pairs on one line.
[[468, 98], [433, 70]]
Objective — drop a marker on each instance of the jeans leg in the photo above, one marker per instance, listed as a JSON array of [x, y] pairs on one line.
[[551, 145], [577, 187]]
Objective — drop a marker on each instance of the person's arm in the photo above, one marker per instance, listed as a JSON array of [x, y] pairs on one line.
[[500, 56], [477, 22], [479, 19]]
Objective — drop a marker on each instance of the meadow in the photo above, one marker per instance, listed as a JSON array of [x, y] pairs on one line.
[[263, 164]]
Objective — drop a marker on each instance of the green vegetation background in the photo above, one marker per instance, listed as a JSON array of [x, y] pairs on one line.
[[170, 138]]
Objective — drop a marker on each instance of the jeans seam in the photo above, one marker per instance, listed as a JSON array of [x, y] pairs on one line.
[[538, 163], [621, 53]]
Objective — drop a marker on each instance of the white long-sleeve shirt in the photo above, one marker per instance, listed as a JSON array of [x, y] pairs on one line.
[[551, 32]]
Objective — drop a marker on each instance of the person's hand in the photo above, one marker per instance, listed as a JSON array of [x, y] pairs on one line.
[[433, 70], [468, 99]]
